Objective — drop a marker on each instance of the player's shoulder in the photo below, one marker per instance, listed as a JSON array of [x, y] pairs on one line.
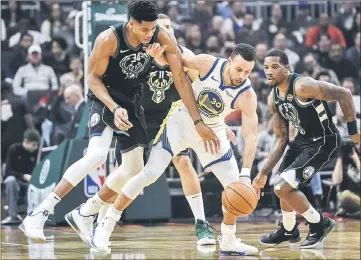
[[107, 36], [186, 51]]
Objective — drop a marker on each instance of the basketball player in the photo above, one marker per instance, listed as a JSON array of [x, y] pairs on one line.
[[121, 56], [222, 87], [301, 101]]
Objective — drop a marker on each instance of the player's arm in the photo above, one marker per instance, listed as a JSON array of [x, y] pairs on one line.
[[280, 128], [307, 87], [247, 103]]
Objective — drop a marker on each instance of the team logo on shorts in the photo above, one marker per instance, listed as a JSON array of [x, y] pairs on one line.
[[210, 103], [94, 120], [307, 172]]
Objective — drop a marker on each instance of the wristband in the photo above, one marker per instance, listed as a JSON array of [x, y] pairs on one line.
[[245, 173], [198, 121], [116, 108], [352, 127]]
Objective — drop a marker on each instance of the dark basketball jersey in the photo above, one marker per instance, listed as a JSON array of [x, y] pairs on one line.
[[311, 118], [122, 77]]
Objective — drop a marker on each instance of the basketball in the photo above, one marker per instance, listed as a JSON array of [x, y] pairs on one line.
[[239, 198]]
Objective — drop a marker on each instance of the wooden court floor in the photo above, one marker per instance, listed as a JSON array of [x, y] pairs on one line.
[[174, 241]]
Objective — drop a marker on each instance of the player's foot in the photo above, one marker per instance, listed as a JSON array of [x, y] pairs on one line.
[[318, 232], [83, 225], [204, 233], [33, 225], [229, 245], [281, 235], [102, 233]]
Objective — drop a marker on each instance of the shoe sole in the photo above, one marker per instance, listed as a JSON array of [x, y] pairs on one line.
[[206, 241], [36, 239], [69, 218], [320, 242], [291, 241]]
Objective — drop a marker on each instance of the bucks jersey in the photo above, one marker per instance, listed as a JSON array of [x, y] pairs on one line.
[[311, 118], [126, 68]]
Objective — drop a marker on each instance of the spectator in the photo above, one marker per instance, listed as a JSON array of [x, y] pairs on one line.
[[353, 53], [302, 23], [54, 25], [226, 51], [275, 24], [347, 175], [234, 23], [323, 48], [341, 66], [202, 15], [194, 40], [261, 50], [217, 27], [76, 74], [213, 45], [247, 34], [12, 16], [261, 88], [25, 26], [162, 6], [69, 33], [184, 24], [20, 53], [181, 41], [174, 14], [324, 28], [73, 96], [59, 59], [20, 162], [345, 21], [280, 42]]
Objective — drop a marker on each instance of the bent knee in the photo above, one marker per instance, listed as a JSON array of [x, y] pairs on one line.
[[182, 162], [282, 188], [97, 157]]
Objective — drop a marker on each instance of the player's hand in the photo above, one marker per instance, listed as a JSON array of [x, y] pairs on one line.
[[155, 50], [230, 135], [258, 183], [27, 177], [356, 137], [121, 119], [210, 139]]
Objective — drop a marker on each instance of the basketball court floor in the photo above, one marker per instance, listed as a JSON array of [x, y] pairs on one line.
[[174, 241]]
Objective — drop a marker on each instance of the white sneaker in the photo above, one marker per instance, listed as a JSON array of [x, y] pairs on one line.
[[33, 225], [229, 245], [83, 225], [101, 235]]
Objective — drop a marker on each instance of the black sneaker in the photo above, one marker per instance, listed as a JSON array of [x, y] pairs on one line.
[[318, 232], [281, 235]]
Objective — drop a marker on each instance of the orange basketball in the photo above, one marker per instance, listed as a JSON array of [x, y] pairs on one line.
[[239, 198]]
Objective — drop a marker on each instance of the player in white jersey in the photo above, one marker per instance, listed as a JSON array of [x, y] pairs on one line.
[[223, 86]]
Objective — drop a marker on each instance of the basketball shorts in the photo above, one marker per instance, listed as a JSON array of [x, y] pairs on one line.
[[101, 117], [306, 156]]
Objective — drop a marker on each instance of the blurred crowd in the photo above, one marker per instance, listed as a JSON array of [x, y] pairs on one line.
[[42, 68]]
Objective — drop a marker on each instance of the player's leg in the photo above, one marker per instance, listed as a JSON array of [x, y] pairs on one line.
[[192, 191], [96, 155]]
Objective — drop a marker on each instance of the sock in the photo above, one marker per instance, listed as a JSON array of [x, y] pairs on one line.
[[311, 215], [228, 229], [49, 203], [196, 203], [114, 213], [289, 219], [92, 206], [103, 210]]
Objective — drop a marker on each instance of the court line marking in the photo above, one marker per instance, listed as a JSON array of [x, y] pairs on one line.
[[13, 244]]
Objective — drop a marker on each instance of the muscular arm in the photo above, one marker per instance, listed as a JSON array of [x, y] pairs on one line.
[[247, 102], [280, 128], [310, 88], [104, 47]]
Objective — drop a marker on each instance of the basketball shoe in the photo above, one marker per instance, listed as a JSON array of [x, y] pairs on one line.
[[83, 225], [204, 233], [281, 235], [101, 235], [318, 232], [33, 225]]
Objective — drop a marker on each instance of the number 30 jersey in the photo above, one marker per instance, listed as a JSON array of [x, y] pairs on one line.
[[215, 101], [311, 118]]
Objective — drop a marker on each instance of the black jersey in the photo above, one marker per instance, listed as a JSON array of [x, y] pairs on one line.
[[122, 77], [311, 118]]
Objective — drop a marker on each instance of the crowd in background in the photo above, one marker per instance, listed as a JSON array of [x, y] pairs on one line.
[[42, 68]]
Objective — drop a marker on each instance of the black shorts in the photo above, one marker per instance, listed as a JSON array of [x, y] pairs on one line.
[[307, 156], [100, 117]]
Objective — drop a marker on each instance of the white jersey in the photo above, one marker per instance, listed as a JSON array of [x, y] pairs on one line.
[[215, 101]]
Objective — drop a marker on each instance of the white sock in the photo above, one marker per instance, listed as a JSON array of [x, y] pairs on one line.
[[228, 229], [92, 206], [312, 215], [114, 213], [49, 203], [103, 211], [289, 219], [196, 203]]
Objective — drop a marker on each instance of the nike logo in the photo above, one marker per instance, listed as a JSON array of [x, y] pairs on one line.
[[122, 51], [276, 102], [315, 139], [195, 196], [214, 79], [311, 235], [287, 234]]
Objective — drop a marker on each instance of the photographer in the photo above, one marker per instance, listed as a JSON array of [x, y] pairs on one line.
[[347, 175]]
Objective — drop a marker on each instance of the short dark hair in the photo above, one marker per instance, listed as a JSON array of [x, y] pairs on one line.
[[26, 33], [163, 16], [278, 53], [32, 135], [246, 51], [143, 11], [322, 73], [61, 41]]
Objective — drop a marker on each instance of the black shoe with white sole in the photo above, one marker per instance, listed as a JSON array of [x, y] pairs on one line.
[[318, 232], [281, 235]]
